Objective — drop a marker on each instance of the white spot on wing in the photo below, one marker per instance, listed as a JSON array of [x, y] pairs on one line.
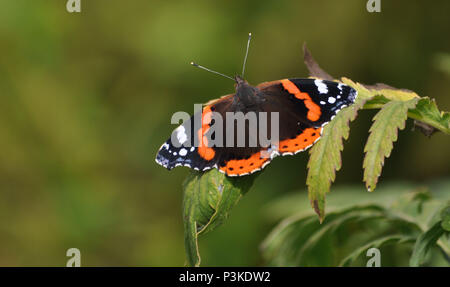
[[181, 134], [183, 152], [321, 86], [331, 100]]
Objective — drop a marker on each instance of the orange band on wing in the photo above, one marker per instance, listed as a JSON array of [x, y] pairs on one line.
[[302, 141], [243, 166], [204, 151], [313, 109]]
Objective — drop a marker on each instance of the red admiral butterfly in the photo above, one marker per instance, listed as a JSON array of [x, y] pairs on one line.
[[303, 106]]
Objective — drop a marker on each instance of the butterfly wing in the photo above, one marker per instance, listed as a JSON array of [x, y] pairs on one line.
[[304, 107], [181, 149], [186, 145]]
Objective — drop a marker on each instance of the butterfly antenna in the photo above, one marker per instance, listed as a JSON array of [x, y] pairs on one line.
[[209, 70], [246, 54]]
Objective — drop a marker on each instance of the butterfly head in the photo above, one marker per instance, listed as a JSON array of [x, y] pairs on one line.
[[246, 94]]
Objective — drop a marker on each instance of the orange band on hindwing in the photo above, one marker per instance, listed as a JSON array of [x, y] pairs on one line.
[[301, 142], [244, 166]]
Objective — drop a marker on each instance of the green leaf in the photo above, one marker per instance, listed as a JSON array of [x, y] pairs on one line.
[[357, 213], [427, 111], [208, 200], [383, 133], [281, 245], [355, 220], [424, 243], [325, 156], [445, 216], [376, 102], [377, 243], [390, 93], [296, 239]]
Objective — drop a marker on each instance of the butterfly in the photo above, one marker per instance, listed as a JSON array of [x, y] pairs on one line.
[[299, 107]]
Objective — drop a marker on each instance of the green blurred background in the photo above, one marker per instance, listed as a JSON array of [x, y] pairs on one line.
[[86, 101]]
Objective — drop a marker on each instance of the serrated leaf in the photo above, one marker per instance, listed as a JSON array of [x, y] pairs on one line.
[[392, 211], [357, 213], [378, 243], [383, 133], [297, 236], [280, 246], [424, 243], [208, 200], [390, 93], [325, 157], [427, 112], [376, 102]]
